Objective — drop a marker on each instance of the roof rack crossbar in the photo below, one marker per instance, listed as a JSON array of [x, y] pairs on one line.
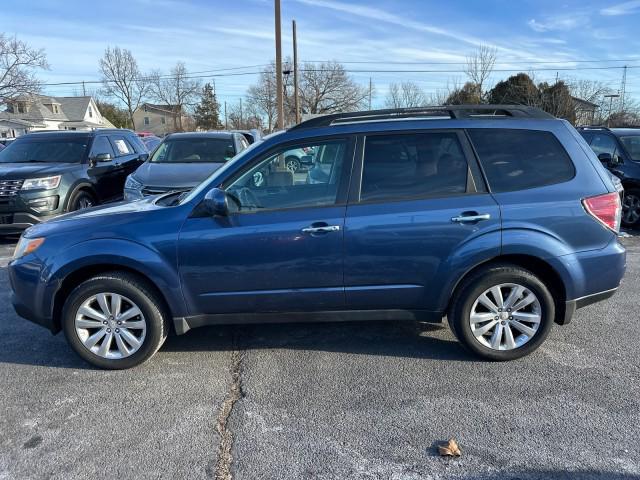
[[444, 111]]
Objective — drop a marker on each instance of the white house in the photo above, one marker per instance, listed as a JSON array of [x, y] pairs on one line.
[[39, 112]]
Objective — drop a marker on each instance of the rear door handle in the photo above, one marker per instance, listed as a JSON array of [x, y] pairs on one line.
[[321, 229], [471, 218]]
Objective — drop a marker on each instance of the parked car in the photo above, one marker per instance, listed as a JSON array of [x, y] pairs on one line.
[[619, 151], [44, 174], [182, 161], [493, 216], [151, 142]]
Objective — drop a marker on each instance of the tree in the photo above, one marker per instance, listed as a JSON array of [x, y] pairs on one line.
[[556, 99], [468, 94], [405, 95], [207, 112], [18, 63], [177, 90], [518, 89], [261, 97], [326, 88], [116, 115], [121, 79], [480, 65]]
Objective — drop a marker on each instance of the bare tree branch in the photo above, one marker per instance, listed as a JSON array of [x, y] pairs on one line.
[[177, 90], [480, 65], [405, 95], [17, 64]]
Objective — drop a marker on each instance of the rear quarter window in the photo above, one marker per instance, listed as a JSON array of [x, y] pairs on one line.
[[521, 159]]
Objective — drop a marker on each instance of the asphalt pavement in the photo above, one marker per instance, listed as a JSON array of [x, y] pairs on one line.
[[327, 401]]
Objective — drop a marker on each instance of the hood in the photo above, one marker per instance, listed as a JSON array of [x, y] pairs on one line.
[[18, 171], [174, 175], [104, 215]]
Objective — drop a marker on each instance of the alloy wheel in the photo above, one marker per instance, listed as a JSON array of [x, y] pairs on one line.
[[110, 325], [505, 316], [630, 209], [84, 202]]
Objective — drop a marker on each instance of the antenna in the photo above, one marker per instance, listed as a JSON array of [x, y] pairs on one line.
[[623, 88]]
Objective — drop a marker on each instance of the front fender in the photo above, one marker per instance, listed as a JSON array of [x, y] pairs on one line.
[[158, 268]]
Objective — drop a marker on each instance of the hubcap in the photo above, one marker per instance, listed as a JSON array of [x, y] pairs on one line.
[[84, 203], [630, 209], [110, 325], [505, 317], [292, 166]]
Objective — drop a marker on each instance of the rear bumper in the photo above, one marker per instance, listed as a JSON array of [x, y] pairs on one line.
[[572, 305]]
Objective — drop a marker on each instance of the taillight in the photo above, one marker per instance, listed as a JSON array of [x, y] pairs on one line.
[[607, 209]]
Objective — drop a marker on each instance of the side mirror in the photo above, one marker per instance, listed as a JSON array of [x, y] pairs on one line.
[[217, 202], [100, 158], [606, 159], [306, 160]]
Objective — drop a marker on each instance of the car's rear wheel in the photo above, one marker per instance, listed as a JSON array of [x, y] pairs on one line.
[[631, 208], [81, 200], [502, 312], [115, 320]]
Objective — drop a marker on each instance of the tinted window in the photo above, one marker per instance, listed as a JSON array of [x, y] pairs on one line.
[[101, 145], [194, 150], [520, 159], [588, 136], [603, 143], [269, 185], [55, 150], [416, 165]]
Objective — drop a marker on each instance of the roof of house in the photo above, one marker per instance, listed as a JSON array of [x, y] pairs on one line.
[[584, 103], [71, 109], [171, 109]]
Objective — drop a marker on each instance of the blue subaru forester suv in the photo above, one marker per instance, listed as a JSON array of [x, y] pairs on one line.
[[499, 218]]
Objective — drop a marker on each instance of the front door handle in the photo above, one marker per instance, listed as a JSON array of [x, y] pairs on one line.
[[321, 229], [471, 218]]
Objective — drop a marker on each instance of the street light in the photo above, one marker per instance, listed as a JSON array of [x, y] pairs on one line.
[[610, 97]]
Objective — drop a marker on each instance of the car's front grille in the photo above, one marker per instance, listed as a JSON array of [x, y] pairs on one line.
[[10, 188], [6, 219]]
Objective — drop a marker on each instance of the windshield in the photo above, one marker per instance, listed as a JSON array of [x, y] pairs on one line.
[[632, 146], [45, 150], [194, 150]]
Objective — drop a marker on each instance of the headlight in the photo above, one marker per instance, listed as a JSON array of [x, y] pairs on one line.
[[132, 183], [26, 246], [45, 183]]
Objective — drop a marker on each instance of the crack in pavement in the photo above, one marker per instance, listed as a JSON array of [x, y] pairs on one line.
[[225, 459]]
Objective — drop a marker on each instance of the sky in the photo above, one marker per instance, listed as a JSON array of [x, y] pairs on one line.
[[233, 40]]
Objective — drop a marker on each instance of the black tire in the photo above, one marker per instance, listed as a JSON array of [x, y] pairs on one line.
[[139, 291], [292, 163], [81, 199], [473, 287], [631, 198]]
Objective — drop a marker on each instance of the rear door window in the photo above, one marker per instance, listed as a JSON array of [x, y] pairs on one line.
[[121, 146], [521, 159], [403, 166]]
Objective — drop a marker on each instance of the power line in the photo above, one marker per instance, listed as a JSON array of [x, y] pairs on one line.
[[524, 62]]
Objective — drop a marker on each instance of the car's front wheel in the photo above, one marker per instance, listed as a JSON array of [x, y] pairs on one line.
[[293, 164], [502, 312], [115, 320], [631, 208]]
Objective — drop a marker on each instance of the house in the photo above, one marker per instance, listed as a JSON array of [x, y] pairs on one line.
[[159, 119], [585, 111], [40, 112]]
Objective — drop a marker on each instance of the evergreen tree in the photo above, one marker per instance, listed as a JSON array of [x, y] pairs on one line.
[[207, 112]]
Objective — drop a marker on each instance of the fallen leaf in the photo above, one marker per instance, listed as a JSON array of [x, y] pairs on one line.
[[449, 449]]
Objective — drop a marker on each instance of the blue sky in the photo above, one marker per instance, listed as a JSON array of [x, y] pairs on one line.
[[214, 34]]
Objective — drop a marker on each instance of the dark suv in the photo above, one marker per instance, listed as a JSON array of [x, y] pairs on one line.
[[498, 217], [43, 174], [619, 151]]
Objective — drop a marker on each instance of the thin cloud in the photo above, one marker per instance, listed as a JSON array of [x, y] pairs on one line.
[[624, 8]]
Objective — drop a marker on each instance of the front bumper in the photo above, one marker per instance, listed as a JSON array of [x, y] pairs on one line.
[[16, 215]]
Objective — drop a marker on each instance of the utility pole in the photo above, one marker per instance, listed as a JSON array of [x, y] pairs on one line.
[[84, 90], [226, 123], [279, 99], [610, 97], [296, 100], [623, 88], [370, 90]]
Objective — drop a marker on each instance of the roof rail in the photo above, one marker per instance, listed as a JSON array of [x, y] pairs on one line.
[[417, 113]]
